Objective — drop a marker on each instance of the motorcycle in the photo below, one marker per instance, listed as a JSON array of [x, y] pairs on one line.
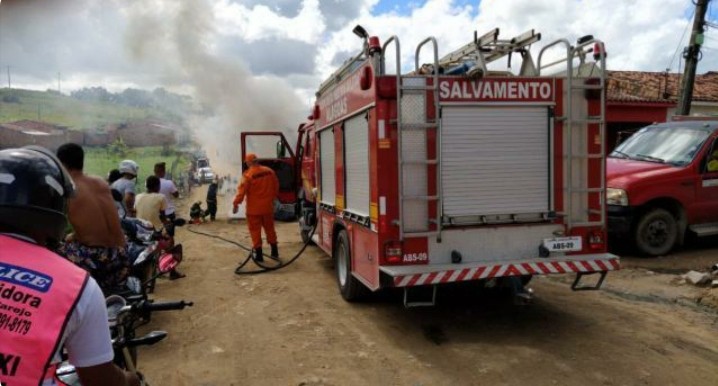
[[152, 252], [124, 318]]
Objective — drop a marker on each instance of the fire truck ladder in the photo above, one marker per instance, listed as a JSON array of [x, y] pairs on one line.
[[488, 48], [414, 123], [577, 188]]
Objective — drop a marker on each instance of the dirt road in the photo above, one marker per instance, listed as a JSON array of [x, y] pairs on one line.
[[291, 327]]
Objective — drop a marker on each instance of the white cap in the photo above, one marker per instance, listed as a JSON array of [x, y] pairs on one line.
[[129, 167]]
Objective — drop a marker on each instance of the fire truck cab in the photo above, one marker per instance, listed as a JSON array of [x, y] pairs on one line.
[[453, 172]]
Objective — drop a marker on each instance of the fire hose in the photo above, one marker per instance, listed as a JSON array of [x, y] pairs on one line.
[[263, 268]]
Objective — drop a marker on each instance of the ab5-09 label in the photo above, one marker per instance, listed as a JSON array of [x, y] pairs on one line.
[[563, 244], [420, 257]]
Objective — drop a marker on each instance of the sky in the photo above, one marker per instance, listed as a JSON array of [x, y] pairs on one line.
[[271, 55]]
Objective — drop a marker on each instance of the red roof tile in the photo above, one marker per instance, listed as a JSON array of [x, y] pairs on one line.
[[636, 86]]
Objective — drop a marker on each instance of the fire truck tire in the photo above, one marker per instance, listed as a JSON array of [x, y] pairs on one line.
[[525, 279], [349, 287], [302, 225], [656, 232], [305, 237]]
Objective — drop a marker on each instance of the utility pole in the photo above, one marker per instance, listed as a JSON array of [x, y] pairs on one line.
[[9, 85], [59, 89], [692, 55]]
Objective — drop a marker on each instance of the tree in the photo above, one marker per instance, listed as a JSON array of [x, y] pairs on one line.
[[118, 147]]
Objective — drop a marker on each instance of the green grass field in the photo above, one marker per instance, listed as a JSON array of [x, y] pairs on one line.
[[67, 111], [99, 162]]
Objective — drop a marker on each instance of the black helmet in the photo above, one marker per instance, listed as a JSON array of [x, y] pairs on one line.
[[34, 188]]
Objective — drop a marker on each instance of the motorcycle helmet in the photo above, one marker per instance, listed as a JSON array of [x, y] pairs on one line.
[[129, 166], [34, 188]]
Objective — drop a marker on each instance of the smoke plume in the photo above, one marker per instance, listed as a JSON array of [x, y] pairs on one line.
[[231, 99]]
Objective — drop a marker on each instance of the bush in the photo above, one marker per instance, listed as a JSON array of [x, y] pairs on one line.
[[118, 147]]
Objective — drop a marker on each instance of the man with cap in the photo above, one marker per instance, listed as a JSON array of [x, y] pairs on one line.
[[260, 186], [126, 187]]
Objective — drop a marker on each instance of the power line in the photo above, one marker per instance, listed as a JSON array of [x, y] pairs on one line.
[[678, 47]]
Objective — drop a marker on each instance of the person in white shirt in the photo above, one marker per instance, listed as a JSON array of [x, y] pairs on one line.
[[151, 206], [169, 190]]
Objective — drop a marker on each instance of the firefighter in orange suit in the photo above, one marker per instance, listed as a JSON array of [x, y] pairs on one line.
[[260, 186]]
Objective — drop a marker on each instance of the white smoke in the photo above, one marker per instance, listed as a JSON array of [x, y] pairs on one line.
[[181, 35]]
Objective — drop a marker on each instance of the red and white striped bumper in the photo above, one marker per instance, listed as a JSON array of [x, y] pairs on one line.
[[415, 275]]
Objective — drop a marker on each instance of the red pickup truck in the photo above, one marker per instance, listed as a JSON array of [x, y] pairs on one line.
[[661, 184]]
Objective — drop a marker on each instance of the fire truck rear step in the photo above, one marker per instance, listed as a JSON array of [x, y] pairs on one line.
[[576, 283], [408, 303]]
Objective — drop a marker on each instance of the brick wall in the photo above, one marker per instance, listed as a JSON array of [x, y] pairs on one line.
[[14, 136]]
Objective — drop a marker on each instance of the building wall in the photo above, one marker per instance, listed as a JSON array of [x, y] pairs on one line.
[[136, 134], [146, 136], [15, 138], [699, 108]]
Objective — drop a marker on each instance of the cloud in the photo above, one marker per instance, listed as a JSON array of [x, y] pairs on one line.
[[40, 38], [271, 55], [261, 22], [120, 43]]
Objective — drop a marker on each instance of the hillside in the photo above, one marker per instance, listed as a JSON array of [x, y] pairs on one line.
[[52, 107]]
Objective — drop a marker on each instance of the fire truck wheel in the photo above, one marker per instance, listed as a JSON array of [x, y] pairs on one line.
[[302, 225], [350, 288], [305, 237], [525, 279], [656, 232]]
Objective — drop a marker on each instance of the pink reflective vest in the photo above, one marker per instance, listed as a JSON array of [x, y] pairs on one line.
[[38, 292]]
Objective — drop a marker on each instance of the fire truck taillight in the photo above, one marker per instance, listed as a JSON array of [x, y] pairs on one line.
[[596, 240], [392, 252]]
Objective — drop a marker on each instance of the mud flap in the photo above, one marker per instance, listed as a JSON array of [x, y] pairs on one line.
[[576, 286]]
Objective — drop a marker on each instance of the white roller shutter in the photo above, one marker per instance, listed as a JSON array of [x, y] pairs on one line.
[[356, 153], [495, 160], [326, 159]]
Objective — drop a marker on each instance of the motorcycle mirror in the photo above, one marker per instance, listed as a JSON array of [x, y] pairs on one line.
[[66, 373], [147, 340], [114, 304], [167, 263], [134, 284]]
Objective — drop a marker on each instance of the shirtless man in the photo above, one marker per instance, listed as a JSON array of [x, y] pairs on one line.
[[97, 243]]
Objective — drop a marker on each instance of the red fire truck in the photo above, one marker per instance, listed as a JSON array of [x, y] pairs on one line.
[[453, 171]]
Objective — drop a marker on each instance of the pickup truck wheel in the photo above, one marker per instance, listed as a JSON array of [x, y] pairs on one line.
[[350, 288], [656, 232]]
